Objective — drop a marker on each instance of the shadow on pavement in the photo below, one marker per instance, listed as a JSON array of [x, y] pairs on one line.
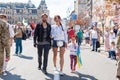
[[49, 76], [10, 76], [26, 57], [12, 69], [80, 77]]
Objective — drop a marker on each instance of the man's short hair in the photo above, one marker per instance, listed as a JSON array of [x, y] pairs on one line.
[[44, 15]]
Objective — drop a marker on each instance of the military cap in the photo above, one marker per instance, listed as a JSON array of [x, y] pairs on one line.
[[3, 15]]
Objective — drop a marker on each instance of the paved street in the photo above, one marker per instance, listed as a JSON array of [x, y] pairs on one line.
[[96, 66]]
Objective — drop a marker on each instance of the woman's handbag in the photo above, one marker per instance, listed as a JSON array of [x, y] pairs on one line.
[[60, 43]]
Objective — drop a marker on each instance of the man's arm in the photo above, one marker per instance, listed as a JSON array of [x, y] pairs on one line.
[[35, 34], [5, 39]]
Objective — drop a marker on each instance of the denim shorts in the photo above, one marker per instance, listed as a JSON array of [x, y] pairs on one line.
[[54, 45], [87, 38]]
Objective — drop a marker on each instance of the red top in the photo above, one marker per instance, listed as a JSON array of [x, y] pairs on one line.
[[33, 25], [71, 33]]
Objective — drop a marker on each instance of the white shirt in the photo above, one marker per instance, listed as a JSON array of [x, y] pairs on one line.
[[112, 36], [58, 34], [87, 34], [94, 34], [113, 48], [11, 31], [73, 48]]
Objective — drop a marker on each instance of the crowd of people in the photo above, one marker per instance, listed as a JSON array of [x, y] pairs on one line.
[[94, 36], [47, 36]]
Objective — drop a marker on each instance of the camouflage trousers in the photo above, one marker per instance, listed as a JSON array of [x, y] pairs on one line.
[[118, 69], [1, 58]]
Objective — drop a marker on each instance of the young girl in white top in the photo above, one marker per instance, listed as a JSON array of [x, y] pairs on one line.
[[73, 46], [112, 51], [112, 37]]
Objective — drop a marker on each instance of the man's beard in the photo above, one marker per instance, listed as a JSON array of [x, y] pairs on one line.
[[44, 20]]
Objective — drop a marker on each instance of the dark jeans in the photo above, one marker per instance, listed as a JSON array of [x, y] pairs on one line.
[[18, 45], [79, 41], [73, 60], [112, 54], [40, 53], [94, 44]]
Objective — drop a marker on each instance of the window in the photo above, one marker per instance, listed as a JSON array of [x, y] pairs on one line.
[[34, 11]]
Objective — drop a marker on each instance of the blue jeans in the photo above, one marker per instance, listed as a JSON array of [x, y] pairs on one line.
[[18, 45], [94, 44], [79, 41], [112, 54]]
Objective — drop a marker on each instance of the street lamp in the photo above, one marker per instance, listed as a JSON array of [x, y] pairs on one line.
[[90, 12], [103, 22]]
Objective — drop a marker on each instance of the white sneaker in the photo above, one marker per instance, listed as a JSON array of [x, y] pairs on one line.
[[55, 68], [20, 55], [61, 73], [4, 73]]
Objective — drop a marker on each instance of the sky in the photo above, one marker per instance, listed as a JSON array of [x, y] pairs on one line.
[[56, 7]]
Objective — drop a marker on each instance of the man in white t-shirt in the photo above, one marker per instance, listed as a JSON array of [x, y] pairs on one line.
[[94, 37]]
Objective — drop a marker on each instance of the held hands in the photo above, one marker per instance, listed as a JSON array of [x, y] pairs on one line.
[[35, 45]]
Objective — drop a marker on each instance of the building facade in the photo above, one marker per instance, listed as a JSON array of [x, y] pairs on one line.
[[18, 11], [80, 6]]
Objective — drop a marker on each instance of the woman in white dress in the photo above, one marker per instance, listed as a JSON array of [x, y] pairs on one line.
[[106, 39]]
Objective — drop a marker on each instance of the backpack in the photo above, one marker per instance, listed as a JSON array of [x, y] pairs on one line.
[[24, 36]]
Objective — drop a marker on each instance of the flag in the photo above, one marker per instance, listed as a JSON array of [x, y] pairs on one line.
[[74, 16], [79, 60], [24, 22]]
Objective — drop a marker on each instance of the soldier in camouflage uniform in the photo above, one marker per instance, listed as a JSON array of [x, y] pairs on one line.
[[118, 53], [11, 32], [4, 43]]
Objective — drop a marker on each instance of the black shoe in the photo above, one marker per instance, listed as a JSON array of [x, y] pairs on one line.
[[118, 77], [92, 50], [39, 68], [45, 72], [99, 51]]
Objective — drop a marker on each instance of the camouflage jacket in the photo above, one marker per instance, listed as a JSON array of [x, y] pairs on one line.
[[4, 34], [118, 39]]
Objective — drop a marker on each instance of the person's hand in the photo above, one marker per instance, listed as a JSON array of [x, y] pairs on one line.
[[35, 44], [51, 36], [7, 59]]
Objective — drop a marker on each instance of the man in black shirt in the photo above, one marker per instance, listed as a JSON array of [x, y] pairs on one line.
[[42, 40]]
